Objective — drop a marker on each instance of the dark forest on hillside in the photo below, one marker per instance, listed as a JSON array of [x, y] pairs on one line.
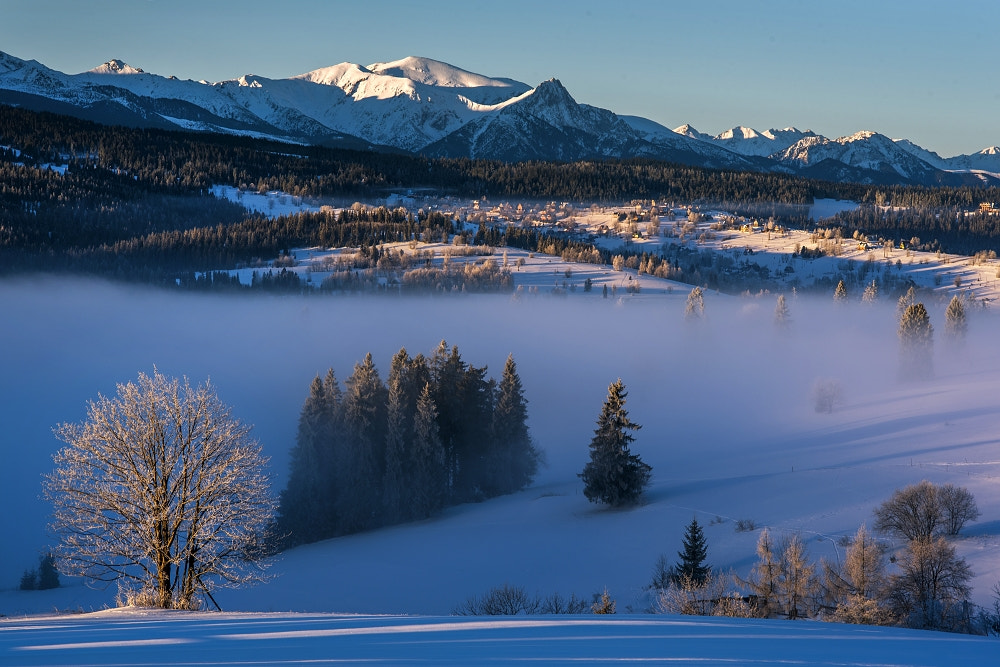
[[133, 204]]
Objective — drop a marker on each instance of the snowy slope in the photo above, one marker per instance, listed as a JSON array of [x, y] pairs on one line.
[[728, 427], [987, 159], [141, 638]]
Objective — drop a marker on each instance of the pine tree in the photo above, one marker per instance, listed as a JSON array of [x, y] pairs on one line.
[[614, 475], [905, 301], [781, 316], [48, 576], [430, 483], [916, 343], [307, 505], [694, 308], [691, 567], [955, 323], [516, 458], [365, 405], [870, 294], [397, 442], [840, 294]]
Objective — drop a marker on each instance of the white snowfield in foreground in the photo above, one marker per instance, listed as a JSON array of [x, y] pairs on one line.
[[131, 637]]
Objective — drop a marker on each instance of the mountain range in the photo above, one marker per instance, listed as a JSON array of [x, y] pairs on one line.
[[423, 106]]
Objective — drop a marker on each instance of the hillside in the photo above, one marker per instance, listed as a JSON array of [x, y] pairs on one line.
[[131, 638], [728, 426]]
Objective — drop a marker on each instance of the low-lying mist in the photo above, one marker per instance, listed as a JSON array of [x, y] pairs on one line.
[[696, 388]]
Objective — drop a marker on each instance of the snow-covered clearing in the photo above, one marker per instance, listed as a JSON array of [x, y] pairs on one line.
[[138, 638]]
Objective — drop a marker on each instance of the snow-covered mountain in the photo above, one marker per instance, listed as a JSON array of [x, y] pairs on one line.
[[987, 159], [420, 105]]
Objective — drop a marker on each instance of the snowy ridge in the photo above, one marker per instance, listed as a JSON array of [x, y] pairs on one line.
[[116, 66], [426, 106]]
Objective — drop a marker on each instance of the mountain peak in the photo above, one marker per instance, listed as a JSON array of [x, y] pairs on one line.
[[738, 133], [116, 66], [9, 63], [436, 73]]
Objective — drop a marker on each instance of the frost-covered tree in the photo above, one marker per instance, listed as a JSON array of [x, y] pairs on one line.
[[958, 506], [694, 309], [782, 318], [797, 579], [916, 343], [840, 294], [870, 295], [827, 394], [162, 489], [691, 567], [955, 323], [905, 301], [765, 577], [912, 513], [614, 475], [858, 585], [932, 585]]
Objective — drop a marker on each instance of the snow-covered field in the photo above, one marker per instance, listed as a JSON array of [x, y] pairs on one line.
[[136, 638]]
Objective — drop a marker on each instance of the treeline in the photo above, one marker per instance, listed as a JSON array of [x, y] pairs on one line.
[[192, 161], [949, 229], [133, 204], [439, 432]]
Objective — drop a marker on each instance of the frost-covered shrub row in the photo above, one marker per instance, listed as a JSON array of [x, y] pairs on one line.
[[438, 433], [925, 584]]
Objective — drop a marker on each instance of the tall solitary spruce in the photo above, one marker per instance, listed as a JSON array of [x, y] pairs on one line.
[[691, 567], [955, 323], [916, 344], [614, 475]]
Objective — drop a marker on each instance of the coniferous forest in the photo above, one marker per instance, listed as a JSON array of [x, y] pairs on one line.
[[437, 432]]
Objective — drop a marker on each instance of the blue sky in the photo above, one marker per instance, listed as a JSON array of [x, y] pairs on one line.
[[922, 70]]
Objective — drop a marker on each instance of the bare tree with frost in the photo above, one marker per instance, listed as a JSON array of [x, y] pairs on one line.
[[162, 490]]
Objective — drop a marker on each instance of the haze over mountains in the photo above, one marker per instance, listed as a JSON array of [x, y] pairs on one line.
[[418, 105]]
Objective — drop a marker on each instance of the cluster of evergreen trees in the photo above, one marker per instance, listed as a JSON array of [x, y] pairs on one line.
[[439, 432]]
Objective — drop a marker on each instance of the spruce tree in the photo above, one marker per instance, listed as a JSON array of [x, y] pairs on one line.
[[365, 422], [516, 458], [430, 482], [396, 443], [916, 343], [691, 567], [614, 476], [48, 576], [905, 301], [840, 294], [306, 510], [955, 323]]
